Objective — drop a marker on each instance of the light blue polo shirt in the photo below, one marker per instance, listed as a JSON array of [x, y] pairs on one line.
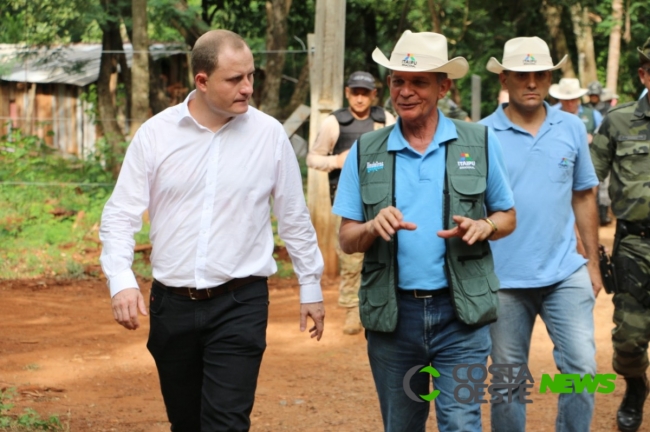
[[419, 180], [544, 171]]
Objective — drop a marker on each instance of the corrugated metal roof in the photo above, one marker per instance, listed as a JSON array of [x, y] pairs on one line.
[[72, 64]]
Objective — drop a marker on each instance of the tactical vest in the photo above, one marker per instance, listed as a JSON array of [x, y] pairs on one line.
[[469, 269], [350, 129], [587, 117]]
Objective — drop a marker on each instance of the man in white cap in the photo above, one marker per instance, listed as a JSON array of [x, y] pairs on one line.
[[541, 273], [413, 197], [336, 135]]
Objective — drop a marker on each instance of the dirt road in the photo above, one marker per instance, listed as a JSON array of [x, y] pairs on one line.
[[61, 349]]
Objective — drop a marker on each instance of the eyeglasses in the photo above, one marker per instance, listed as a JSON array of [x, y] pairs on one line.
[[646, 70]]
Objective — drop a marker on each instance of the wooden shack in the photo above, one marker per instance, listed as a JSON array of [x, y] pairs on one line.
[[45, 91]]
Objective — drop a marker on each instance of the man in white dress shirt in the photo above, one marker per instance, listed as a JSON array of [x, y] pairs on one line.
[[206, 170]]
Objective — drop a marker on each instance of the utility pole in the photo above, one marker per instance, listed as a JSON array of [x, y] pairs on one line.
[[327, 50]]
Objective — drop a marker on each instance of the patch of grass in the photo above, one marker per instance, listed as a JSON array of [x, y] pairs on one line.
[[28, 421], [32, 367]]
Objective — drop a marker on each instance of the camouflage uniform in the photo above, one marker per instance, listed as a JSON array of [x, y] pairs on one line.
[[450, 109], [622, 145]]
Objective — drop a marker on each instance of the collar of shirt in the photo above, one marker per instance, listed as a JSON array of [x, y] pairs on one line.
[[445, 131], [643, 108], [502, 122], [184, 114]]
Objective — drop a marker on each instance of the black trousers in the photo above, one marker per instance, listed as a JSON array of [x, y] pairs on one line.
[[208, 355]]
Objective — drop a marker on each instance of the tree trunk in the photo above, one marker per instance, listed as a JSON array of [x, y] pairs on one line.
[[435, 18], [158, 100], [111, 41], [300, 92], [614, 53], [190, 28], [276, 39], [553, 15], [585, 43], [140, 69]]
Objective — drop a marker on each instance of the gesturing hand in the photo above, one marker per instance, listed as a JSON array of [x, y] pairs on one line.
[[388, 222], [469, 230]]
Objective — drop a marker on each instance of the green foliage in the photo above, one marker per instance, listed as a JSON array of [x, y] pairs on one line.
[[47, 228], [30, 420], [47, 22]]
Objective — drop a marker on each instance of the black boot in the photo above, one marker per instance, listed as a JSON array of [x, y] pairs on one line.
[[630, 413], [603, 215]]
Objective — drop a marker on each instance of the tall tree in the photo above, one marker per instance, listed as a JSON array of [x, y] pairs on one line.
[[585, 43], [553, 15], [614, 45], [111, 50], [140, 68], [276, 42]]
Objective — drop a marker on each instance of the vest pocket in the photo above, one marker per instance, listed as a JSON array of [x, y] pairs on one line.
[[476, 300], [375, 289], [468, 199], [633, 158], [375, 195]]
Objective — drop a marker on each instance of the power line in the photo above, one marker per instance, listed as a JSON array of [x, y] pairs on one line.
[[57, 184]]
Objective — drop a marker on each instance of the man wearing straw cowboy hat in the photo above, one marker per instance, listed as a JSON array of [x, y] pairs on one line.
[[547, 157], [413, 197], [622, 146], [569, 92]]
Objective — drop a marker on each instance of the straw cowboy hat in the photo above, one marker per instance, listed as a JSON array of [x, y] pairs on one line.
[[567, 89], [525, 54], [422, 52]]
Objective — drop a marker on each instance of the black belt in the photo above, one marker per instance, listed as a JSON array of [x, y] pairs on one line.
[[641, 229], [424, 293], [206, 293]]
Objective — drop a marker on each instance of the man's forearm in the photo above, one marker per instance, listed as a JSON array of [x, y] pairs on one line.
[[505, 221], [586, 213], [355, 236]]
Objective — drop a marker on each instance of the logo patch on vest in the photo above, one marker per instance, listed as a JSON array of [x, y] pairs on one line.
[[374, 166], [466, 162], [564, 163]]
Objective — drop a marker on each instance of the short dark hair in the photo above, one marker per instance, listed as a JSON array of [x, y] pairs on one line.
[[205, 53]]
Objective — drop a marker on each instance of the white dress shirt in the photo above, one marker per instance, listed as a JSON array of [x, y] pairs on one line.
[[209, 200]]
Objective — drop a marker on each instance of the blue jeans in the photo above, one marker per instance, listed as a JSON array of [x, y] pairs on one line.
[[567, 310], [427, 333]]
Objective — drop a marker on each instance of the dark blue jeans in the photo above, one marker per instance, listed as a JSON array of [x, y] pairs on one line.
[[427, 333], [208, 355]]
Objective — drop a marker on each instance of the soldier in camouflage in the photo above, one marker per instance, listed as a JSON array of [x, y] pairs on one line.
[[596, 100], [622, 146]]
